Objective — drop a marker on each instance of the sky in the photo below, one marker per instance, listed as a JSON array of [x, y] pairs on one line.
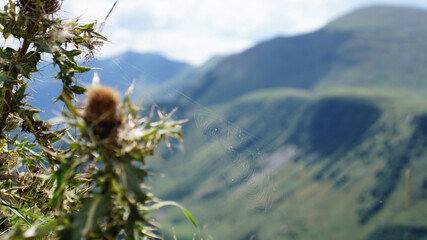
[[193, 31]]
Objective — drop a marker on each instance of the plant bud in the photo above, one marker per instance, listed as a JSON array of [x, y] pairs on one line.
[[102, 112]]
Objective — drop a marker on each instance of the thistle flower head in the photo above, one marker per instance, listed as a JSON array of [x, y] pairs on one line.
[[102, 110]]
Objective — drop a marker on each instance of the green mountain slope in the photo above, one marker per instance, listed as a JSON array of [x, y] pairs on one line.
[[380, 47], [284, 164], [381, 17], [282, 62], [317, 136]]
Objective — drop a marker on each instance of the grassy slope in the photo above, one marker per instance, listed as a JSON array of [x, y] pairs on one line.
[[385, 50], [240, 176]]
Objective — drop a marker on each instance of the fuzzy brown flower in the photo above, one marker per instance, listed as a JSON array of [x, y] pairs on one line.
[[102, 111]]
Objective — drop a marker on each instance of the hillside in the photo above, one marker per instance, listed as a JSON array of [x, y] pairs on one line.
[[317, 136], [380, 47], [316, 167]]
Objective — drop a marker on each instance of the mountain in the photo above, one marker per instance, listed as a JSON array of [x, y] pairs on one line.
[[381, 17], [317, 136], [155, 76], [381, 47], [149, 71]]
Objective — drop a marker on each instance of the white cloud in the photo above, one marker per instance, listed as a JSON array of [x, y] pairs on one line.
[[92, 9], [194, 30], [193, 47]]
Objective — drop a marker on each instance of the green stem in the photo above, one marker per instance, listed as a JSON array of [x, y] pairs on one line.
[[6, 109], [7, 102], [106, 188], [42, 142], [23, 51]]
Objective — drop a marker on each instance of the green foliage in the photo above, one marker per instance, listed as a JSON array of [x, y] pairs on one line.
[[94, 188]]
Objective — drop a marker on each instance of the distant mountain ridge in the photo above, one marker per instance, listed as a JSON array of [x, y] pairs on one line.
[[155, 78], [148, 70], [149, 67]]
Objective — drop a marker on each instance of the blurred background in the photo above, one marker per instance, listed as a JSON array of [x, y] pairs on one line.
[[307, 119]]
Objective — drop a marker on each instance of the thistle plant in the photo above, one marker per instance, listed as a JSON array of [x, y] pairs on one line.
[[94, 187]]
